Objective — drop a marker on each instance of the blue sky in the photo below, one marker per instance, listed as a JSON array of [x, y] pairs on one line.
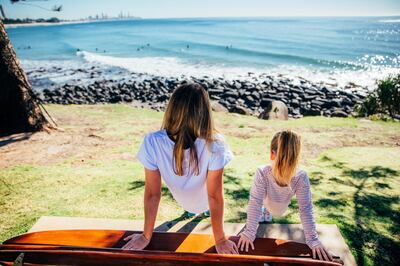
[[73, 9]]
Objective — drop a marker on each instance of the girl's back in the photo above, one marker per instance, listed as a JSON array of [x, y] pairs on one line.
[[278, 197]]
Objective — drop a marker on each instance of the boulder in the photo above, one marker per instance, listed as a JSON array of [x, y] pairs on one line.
[[275, 110]]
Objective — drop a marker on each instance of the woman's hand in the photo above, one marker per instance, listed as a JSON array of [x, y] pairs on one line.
[[320, 252], [136, 242], [244, 243], [226, 246]]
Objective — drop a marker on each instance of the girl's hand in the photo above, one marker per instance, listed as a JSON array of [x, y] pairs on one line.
[[225, 246], [319, 252], [136, 242], [244, 242]]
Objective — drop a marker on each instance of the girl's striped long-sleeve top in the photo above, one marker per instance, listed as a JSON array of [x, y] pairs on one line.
[[276, 199]]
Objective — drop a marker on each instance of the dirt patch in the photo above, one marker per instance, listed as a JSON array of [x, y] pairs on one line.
[[83, 139]]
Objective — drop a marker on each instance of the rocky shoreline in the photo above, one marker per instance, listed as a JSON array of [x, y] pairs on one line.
[[247, 96]]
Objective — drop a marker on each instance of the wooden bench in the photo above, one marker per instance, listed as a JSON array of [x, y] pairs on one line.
[[103, 247]]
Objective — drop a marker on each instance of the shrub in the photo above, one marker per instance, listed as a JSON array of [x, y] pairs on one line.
[[389, 94], [385, 99], [370, 106]]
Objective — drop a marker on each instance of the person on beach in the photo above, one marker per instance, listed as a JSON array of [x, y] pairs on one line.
[[274, 186], [190, 156]]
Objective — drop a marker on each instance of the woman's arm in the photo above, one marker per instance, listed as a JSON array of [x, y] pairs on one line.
[[152, 196], [216, 204]]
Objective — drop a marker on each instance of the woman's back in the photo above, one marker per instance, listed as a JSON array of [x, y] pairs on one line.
[[189, 189]]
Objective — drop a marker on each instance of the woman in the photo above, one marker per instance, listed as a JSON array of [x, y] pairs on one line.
[[190, 156]]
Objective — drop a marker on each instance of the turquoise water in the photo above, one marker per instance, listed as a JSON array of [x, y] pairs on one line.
[[358, 49]]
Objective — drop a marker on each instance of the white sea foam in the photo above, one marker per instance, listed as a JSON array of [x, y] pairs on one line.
[[166, 66], [390, 21], [338, 77], [171, 66]]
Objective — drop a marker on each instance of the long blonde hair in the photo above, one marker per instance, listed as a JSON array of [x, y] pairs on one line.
[[188, 117], [287, 147]]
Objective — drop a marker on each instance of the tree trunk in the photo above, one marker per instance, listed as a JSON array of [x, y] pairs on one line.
[[19, 110]]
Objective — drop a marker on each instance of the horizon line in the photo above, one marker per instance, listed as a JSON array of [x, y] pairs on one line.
[[213, 17]]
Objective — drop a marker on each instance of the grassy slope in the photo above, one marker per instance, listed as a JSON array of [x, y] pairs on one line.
[[354, 166]]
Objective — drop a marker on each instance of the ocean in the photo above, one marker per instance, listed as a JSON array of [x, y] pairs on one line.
[[359, 50]]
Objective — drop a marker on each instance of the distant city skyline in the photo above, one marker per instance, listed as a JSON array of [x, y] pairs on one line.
[[74, 9]]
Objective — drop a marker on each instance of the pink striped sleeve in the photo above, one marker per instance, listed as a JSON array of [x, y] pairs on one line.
[[303, 195], [257, 195]]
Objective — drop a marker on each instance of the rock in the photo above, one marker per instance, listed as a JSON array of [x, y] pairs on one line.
[[265, 102], [296, 89], [309, 97], [250, 95], [215, 91], [231, 100], [317, 102], [238, 85], [310, 91], [326, 112], [332, 103], [312, 112], [295, 103], [275, 110], [238, 109], [249, 100], [396, 116], [162, 98], [217, 107], [295, 112], [339, 113], [232, 94], [347, 101], [215, 97], [127, 98], [255, 95], [282, 88]]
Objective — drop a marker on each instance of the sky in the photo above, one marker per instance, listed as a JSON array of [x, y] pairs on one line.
[[75, 9]]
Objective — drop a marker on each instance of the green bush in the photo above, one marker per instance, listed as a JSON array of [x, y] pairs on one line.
[[389, 94], [370, 106], [384, 100]]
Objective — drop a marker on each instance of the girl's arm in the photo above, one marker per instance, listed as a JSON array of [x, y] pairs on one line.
[[303, 195], [257, 195], [152, 196], [216, 204]]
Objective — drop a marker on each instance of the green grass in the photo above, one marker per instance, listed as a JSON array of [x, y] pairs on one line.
[[354, 167]]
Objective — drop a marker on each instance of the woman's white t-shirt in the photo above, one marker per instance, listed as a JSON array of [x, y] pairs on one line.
[[189, 190]]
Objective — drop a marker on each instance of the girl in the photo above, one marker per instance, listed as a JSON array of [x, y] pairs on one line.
[[275, 185], [190, 157]]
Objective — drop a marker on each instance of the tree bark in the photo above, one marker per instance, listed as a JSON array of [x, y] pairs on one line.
[[19, 110]]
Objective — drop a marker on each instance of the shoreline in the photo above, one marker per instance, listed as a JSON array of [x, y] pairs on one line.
[[247, 96], [33, 24]]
